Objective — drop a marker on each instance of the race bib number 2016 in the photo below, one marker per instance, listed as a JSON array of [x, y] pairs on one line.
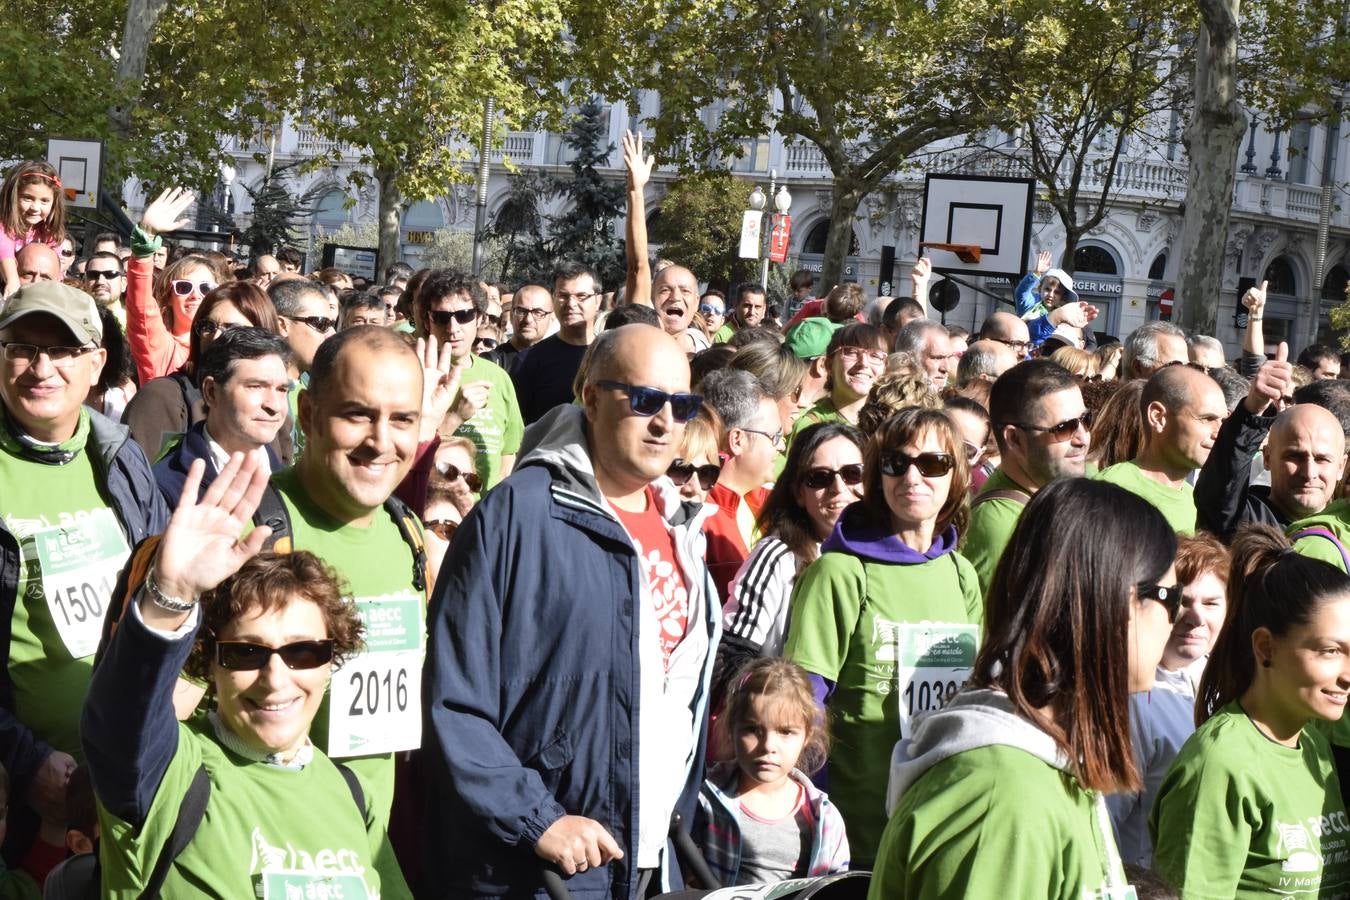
[[79, 565], [933, 663], [375, 703]]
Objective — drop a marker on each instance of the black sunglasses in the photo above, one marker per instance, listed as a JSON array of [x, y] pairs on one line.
[[1061, 431], [1168, 596], [209, 327], [485, 343], [462, 316], [101, 274], [930, 465], [680, 472], [820, 478], [245, 656], [646, 401], [453, 473], [318, 323]]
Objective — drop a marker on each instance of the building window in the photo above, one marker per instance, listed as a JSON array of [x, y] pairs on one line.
[[1300, 145], [819, 233], [1095, 258], [756, 157], [1333, 288], [1280, 275], [1155, 271]]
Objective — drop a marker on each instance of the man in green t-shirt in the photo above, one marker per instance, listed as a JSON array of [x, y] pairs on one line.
[[749, 312], [486, 412], [77, 494], [1182, 411], [1040, 424]]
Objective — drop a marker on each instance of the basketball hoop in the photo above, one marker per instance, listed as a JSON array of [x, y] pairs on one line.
[[967, 253]]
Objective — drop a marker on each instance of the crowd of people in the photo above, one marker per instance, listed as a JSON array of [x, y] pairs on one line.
[[439, 588]]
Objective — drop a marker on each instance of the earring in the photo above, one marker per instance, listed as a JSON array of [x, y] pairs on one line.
[[1265, 664]]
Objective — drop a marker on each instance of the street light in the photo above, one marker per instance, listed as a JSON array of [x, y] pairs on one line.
[[782, 202]]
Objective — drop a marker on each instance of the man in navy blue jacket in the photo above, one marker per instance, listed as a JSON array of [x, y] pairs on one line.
[[571, 642]]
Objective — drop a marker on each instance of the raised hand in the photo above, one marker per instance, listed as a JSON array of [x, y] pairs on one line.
[[921, 273], [639, 167], [165, 212], [440, 384], [1255, 299], [1273, 382], [472, 397], [1042, 263], [201, 547]]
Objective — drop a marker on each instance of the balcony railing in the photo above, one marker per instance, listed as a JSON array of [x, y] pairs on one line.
[[517, 145]]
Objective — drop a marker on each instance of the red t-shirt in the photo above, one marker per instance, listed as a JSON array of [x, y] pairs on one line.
[[661, 567]]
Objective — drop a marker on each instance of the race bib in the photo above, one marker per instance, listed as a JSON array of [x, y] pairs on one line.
[[308, 886], [932, 663], [375, 703], [80, 563]]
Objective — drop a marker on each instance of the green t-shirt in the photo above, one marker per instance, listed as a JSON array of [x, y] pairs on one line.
[[377, 695], [723, 334], [1176, 504], [297, 830], [823, 410], [994, 821], [851, 622], [1239, 815], [496, 428], [992, 523], [71, 549], [293, 403], [1336, 519]]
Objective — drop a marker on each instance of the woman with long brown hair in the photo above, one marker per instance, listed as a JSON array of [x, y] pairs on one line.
[[999, 794]]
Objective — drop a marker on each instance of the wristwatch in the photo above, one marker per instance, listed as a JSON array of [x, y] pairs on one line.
[[163, 600]]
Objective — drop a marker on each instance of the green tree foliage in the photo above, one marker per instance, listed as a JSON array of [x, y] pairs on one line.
[[584, 231], [518, 228], [280, 217], [700, 223]]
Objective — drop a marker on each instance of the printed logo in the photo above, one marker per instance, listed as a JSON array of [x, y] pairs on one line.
[[1296, 846]]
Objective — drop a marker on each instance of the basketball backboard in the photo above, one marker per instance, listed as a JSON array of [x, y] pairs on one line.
[[79, 165], [983, 223]]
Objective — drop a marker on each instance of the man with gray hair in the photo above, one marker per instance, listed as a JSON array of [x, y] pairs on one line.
[[751, 441], [1205, 351], [930, 344], [984, 360], [307, 315], [1150, 347]]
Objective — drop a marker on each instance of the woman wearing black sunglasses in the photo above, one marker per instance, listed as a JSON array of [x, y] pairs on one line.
[[822, 476], [1000, 793], [888, 585], [265, 631], [1252, 805]]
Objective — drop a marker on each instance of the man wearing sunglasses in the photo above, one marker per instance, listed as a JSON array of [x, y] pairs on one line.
[[78, 494], [486, 412], [307, 315], [543, 376], [1041, 425], [531, 318], [571, 632], [103, 275], [752, 439], [1183, 409]]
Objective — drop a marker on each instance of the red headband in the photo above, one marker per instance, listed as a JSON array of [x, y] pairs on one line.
[[52, 178]]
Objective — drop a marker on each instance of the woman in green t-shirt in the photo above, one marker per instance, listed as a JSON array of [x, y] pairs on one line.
[[1252, 807], [265, 631], [999, 794], [886, 621]]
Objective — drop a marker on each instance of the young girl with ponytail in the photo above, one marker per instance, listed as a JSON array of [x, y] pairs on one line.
[[1252, 805]]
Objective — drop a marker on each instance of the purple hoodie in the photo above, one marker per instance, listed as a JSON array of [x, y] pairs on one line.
[[857, 533]]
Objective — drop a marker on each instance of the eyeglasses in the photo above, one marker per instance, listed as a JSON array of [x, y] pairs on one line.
[[61, 357], [245, 656], [101, 274], [182, 287], [520, 312], [708, 310], [485, 343], [320, 324], [452, 473], [648, 401], [1168, 596], [210, 327], [442, 528], [680, 472], [775, 438], [818, 479], [851, 355], [1019, 346], [930, 465], [580, 298], [65, 252], [462, 316], [1061, 431], [973, 451]]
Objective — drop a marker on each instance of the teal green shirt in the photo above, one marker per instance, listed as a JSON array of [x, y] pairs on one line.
[[1176, 504]]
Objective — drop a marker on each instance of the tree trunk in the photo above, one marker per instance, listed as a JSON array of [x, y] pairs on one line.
[[390, 206], [1213, 138], [1072, 235], [142, 16], [843, 209]]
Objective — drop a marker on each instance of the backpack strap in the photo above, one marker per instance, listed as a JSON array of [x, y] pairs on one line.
[[272, 512], [190, 815], [1319, 531], [354, 785], [192, 395], [411, 531], [1016, 496]]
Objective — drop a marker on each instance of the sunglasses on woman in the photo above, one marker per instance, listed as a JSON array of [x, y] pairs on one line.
[[246, 656], [680, 472], [209, 327], [183, 287], [1168, 595], [647, 401], [462, 316], [442, 528], [930, 465], [485, 343], [818, 479], [452, 473]]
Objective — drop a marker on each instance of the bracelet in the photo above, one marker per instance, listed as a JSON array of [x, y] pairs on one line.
[[1252, 318], [163, 600]]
